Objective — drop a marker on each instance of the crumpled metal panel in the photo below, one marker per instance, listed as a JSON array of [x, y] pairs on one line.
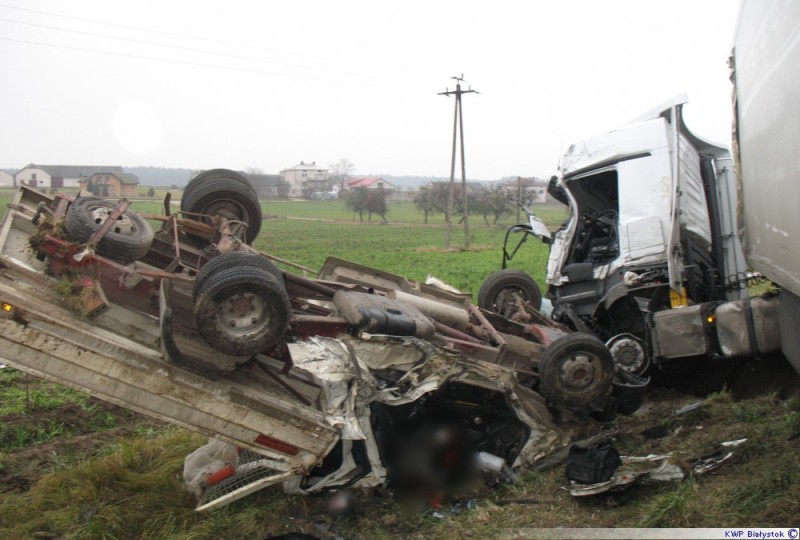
[[332, 366], [342, 366]]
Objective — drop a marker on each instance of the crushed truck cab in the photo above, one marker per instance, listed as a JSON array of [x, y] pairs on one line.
[[650, 259]]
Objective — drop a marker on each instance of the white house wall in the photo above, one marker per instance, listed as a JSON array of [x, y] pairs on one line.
[[25, 176], [297, 177], [6, 179]]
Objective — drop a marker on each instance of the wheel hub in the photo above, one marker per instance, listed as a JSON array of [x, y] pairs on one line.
[[578, 371], [509, 301], [628, 353], [122, 225], [243, 313], [227, 209]]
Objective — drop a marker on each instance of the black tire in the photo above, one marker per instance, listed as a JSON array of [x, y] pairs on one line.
[[202, 177], [226, 197], [242, 311], [500, 290], [127, 241], [235, 259], [576, 371]]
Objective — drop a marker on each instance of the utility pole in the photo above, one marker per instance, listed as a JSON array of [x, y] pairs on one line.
[[458, 127]]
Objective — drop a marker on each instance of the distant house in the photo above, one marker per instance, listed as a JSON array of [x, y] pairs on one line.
[[533, 189], [305, 178], [6, 179], [105, 183], [269, 185], [60, 176], [369, 182]]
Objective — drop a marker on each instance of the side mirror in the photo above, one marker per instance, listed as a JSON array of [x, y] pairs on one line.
[[556, 191]]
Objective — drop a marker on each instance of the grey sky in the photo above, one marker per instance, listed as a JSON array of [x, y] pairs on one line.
[[245, 83]]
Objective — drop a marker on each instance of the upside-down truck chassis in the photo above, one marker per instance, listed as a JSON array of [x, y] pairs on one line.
[[316, 383]]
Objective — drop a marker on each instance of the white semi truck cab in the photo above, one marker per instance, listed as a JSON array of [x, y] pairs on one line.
[[650, 259]]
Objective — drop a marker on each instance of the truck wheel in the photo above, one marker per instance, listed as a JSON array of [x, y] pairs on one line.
[[199, 179], [241, 311], [227, 197], [234, 259], [500, 292], [128, 240], [576, 370]]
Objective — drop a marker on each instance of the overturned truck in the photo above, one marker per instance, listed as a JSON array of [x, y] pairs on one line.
[[317, 383]]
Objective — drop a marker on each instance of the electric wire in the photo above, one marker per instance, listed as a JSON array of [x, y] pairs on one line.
[[182, 48], [175, 61], [171, 34]]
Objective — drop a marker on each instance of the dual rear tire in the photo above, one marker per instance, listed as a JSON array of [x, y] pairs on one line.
[[225, 193], [241, 306]]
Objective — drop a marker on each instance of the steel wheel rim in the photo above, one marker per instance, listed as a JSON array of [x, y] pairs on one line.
[[507, 298], [123, 225], [578, 371], [228, 209], [243, 314]]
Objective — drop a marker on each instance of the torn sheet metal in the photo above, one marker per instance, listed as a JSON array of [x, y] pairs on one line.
[[333, 368], [348, 370], [656, 468]]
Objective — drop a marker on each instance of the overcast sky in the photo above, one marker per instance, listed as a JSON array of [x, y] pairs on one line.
[[267, 84]]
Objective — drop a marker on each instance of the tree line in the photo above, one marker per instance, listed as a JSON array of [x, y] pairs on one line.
[[368, 201], [490, 202]]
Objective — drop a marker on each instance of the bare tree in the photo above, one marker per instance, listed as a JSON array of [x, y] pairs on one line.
[[423, 200], [433, 198], [340, 171], [498, 201]]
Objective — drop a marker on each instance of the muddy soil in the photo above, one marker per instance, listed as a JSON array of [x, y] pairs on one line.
[[79, 432]]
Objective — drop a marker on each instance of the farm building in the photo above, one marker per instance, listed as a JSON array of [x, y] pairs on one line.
[[61, 176]]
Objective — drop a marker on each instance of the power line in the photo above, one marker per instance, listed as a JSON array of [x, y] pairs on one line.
[[142, 29], [170, 34], [170, 60], [179, 47]]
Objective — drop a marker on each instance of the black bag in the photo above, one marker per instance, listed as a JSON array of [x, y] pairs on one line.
[[594, 464]]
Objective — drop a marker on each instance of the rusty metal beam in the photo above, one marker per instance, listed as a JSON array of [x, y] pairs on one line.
[[109, 222], [309, 284]]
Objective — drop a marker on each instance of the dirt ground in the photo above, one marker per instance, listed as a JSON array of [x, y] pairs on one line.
[[21, 467]]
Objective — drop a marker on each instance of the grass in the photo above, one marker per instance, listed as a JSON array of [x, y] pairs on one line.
[[134, 491], [19, 393], [21, 396], [412, 251]]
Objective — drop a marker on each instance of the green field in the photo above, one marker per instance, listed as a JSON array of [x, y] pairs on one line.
[[405, 246]]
